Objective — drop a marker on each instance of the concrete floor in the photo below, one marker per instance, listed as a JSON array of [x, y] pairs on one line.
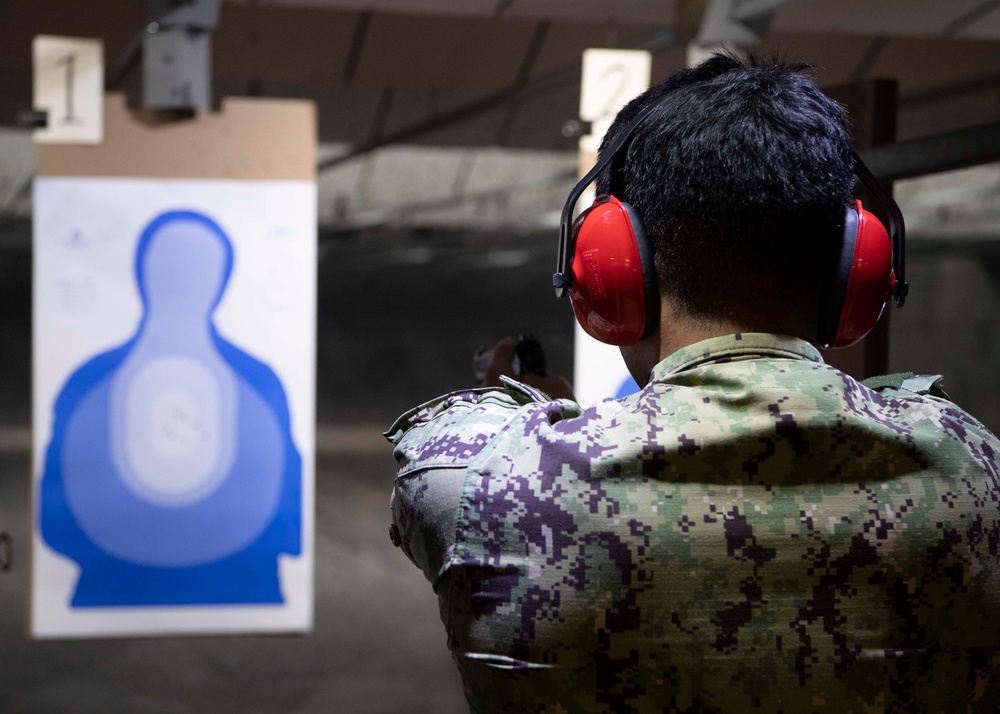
[[377, 646]]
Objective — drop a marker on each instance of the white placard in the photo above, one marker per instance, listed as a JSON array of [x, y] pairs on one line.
[[174, 406], [611, 78], [69, 86]]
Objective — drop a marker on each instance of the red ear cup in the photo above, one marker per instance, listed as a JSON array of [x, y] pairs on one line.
[[864, 282], [613, 289]]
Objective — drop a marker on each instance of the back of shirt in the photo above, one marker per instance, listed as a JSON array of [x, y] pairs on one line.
[[753, 531]]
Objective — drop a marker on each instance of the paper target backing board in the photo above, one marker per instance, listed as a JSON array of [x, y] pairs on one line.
[[174, 392]]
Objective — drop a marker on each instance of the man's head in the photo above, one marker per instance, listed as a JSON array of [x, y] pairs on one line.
[[742, 175]]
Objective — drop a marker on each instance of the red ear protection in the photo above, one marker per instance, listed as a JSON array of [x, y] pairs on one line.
[[605, 264], [870, 269], [863, 283], [613, 288]]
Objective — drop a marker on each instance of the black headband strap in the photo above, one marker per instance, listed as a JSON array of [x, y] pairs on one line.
[[897, 228], [560, 280]]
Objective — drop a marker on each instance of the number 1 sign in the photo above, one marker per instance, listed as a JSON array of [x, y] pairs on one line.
[[69, 84]]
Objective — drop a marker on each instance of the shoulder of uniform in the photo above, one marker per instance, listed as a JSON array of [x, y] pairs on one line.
[[511, 396], [922, 384]]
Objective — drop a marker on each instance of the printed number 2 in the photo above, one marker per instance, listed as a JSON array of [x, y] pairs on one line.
[[614, 103]]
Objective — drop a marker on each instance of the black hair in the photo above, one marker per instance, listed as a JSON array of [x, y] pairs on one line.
[[742, 173]]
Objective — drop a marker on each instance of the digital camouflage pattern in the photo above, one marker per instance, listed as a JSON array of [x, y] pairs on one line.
[[753, 531]]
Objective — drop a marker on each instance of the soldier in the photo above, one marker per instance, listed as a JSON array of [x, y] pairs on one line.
[[753, 530]]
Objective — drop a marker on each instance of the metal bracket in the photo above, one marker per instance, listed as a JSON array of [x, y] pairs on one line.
[[177, 54], [33, 118]]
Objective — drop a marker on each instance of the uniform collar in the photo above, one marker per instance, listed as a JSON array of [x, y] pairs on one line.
[[733, 348]]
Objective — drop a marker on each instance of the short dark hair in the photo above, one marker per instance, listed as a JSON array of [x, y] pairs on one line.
[[742, 174]]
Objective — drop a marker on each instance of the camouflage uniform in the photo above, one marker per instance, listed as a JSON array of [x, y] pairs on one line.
[[754, 530]]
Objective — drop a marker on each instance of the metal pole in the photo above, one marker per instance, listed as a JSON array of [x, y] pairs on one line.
[[542, 83]]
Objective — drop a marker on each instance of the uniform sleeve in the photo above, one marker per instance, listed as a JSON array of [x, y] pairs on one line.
[[435, 443]]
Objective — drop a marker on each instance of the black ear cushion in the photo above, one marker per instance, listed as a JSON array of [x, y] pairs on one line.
[[833, 305], [651, 290]]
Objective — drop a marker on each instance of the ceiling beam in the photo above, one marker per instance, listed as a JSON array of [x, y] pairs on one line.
[[539, 85], [379, 217], [528, 62], [738, 22], [501, 7], [874, 50], [948, 92], [748, 9], [954, 150], [969, 18], [357, 44]]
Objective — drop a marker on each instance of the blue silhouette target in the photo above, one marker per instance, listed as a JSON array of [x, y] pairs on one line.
[[171, 477]]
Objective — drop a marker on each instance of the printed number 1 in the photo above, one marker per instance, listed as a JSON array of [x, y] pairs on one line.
[[70, 62]]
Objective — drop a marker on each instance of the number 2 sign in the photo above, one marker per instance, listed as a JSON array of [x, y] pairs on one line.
[[69, 84], [610, 79]]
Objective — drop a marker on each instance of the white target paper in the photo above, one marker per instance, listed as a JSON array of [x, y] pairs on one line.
[[174, 382]]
